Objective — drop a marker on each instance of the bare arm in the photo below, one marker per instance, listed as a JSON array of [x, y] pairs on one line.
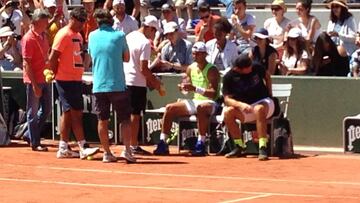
[[272, 64], [30, 74], [126, 56], [136, 9], [54, 60], [107, 4], [150, 78], [300, 69], [315, 25], [246, 31], [268, 82]]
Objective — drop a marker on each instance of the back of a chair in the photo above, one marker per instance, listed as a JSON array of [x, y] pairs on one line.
[[282, 92]]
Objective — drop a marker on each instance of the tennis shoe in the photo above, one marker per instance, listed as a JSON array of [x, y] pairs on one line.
[[162, 148]]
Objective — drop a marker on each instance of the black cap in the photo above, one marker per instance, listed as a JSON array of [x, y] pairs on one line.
[[242, 61]]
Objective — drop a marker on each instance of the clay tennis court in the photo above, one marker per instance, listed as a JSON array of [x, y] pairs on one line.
[[27, 176]]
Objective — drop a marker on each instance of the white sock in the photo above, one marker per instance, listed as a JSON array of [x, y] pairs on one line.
[[163, 136], [63, 144], [201, 138], [81, 144]]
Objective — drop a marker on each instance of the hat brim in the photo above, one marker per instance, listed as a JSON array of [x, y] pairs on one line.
[[6, 33], [261, 36], [337, 3], [169, 31]]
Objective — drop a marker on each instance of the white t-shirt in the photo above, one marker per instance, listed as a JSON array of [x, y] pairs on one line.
[[291, 61], [140, 50], [305, 29], [128, 24], [16, 18], [276, 31], [249, 20]]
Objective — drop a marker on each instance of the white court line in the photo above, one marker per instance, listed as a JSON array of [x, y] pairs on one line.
[[328, 182], [247, 198], [171, 188]]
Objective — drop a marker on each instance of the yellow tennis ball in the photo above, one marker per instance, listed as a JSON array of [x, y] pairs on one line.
[[90, 158]]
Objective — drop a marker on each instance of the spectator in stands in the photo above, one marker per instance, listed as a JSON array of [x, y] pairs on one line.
[[329, 59], [35, 47], [132, 7], [243, 27], [90, 24], [221, 51], [122, 21], [295, 60], [10, 56], [67, 65], [108, 50], [138, 76], [169, 15], [342, 26], [308, 24], [204, 29], [146, 4], [263, 53], [189, 4], [204, 82], [276, 25], [355, 59], [228, 4], [55, 22], [247, 96], [175, 55], [13, 17]]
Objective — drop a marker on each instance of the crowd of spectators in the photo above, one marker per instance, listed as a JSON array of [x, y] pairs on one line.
[[283, 46]]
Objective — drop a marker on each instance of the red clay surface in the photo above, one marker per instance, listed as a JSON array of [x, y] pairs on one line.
[[27, 176]]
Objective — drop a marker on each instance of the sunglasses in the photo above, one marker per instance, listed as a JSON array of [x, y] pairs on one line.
[[204, 17], [275, 8]]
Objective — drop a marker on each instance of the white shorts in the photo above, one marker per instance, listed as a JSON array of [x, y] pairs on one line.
[[250, 117], [192, 105]]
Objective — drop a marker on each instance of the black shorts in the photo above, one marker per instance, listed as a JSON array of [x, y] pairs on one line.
[[70, 95], [120, 103], [138, 99]]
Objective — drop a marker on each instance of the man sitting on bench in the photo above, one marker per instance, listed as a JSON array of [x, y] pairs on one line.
[[247, 92], [204, 82]]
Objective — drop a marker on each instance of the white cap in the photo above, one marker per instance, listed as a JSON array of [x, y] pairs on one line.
[[199, 47], [49, 3], [170, 27], [6, 31], [115, 2], [151, 21], [295, 32]]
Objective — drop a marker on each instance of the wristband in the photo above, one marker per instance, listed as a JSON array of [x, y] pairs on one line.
[[200, 90]]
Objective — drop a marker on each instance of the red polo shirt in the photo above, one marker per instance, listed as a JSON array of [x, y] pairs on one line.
[[35, 47]]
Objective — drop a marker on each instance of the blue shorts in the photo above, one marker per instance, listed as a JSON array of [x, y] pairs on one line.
[[70, 95]]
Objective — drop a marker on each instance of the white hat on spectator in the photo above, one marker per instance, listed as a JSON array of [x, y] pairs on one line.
[[6, 31], [49, 3], [295, 32], [170, 27], [342, 3], [151, 21], [115, 2], [199, 47]]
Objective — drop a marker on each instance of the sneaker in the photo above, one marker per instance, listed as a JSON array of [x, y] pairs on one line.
[[263, 154], [39, 148], [128, 157], [236, 152], [140, 151], [161, 149], [108, 158], [84, 153], [188, 24], [199, 149], [66, 153]]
